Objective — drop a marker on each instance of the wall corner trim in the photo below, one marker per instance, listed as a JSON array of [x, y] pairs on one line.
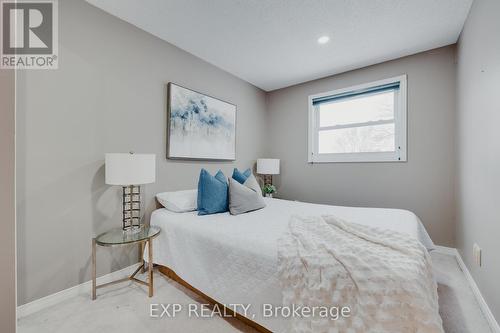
[[495, 328], [81, 289]]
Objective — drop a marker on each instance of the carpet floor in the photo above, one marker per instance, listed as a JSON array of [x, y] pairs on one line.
[[126, 308]]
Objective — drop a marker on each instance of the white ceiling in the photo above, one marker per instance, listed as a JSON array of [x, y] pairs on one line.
[[273, 43]]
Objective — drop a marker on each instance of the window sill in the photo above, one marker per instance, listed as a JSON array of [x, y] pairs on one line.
[[357, 158]]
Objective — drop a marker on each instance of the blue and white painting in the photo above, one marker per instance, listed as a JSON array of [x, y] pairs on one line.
[[200, 126]]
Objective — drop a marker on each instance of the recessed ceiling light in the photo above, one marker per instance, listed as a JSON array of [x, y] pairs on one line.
[[323, 40]]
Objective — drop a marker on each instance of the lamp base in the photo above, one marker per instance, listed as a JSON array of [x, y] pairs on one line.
[[131, 207], [268, 179], [133, 229]]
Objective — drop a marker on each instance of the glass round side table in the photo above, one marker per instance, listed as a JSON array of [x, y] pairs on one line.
[[119, 237]]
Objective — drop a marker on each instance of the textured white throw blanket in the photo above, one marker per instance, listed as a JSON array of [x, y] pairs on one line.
[[384, 277]]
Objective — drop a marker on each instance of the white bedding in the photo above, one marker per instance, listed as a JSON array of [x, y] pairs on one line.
[[384, 277], [233, 259]]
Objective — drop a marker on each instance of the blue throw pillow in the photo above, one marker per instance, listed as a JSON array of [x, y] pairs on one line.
[[241, 177], [212, 193]]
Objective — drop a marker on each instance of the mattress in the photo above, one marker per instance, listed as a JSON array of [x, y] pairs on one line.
[[233, 259]]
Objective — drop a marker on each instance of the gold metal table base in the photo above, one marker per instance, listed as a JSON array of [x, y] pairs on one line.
[[148, 283]]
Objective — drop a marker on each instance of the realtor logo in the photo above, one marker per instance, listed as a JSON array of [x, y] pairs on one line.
[[29, 36]]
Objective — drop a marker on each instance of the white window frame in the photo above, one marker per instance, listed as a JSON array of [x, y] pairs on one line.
[[400, 116]]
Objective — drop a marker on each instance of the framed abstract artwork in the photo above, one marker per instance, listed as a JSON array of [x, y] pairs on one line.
[[199, 127]]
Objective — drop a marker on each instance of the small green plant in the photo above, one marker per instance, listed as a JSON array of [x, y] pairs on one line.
[[269, 189]]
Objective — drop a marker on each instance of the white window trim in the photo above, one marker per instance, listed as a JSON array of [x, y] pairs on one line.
[[400, 119]]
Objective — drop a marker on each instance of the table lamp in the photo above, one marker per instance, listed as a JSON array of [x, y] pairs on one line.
[[130, 171], [268, 167]]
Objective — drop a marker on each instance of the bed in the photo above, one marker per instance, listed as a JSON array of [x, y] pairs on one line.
[[233, 259]]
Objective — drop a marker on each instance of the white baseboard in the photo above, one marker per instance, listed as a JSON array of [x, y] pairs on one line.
[[84, 288], [477, 293]]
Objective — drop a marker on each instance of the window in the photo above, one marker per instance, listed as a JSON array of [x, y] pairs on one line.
[[365, 123]]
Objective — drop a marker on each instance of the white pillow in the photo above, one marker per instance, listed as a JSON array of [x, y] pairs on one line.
[[179, 201]]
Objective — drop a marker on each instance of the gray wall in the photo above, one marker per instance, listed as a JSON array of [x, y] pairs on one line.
[[7, 196], [108, 95], [478, 146], [423, 185]]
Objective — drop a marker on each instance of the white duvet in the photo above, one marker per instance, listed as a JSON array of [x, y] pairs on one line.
[[234, 259]]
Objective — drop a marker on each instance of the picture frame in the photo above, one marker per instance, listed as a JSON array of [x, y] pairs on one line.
[[199, 126]]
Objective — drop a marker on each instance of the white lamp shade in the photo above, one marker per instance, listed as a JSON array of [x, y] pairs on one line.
[[268, 166], [130, 169]]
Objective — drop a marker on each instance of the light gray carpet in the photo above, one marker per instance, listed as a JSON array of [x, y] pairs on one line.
[[125, 308], [457, 305]]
